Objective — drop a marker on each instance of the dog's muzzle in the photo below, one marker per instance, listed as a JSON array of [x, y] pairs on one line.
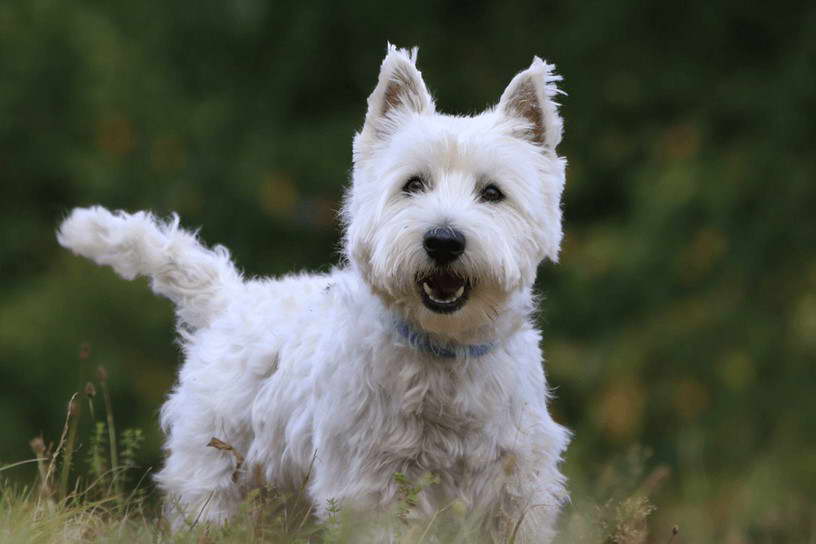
[[442, 290]]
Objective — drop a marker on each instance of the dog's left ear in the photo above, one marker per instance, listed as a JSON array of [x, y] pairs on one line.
[[400, 91], [530, 97]]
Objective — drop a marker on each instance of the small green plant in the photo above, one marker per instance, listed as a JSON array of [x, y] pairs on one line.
[[132, 440], [62, 480], [409, 491], [97, 466], [332, 523]]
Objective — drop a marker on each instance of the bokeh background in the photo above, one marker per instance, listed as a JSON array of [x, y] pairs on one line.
[[680, 325]]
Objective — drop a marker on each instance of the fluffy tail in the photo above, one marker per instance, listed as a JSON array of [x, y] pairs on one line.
[[197, 279]]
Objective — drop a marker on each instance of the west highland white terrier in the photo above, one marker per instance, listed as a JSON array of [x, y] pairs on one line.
[[419, 354]]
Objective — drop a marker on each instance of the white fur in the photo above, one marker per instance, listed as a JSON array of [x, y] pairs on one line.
[[307, 374]]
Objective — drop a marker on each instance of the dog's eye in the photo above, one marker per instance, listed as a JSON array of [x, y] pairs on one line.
[[491, 193], [414, 185]]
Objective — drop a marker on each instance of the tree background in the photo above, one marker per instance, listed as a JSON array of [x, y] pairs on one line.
[[681, 319]]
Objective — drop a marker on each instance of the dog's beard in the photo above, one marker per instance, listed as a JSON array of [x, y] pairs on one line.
[[473, 316], [450, 301]]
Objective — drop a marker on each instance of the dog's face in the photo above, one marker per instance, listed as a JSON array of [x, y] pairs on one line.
[[448, 217]]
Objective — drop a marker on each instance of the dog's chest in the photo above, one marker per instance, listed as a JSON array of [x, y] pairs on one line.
[[437, 421]]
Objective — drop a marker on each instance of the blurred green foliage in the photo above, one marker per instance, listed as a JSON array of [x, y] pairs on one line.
[[682, 316]]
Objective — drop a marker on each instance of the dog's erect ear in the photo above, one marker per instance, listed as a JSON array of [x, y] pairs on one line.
[[400, 90], [530, 97]]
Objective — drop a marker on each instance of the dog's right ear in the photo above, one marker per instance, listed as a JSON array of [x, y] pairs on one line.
[[531, 98], [400, 92]]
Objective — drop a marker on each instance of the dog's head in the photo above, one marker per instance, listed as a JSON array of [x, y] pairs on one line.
[[448, 217]]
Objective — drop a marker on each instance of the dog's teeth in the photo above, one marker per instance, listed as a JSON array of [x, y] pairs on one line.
[[454, 297]]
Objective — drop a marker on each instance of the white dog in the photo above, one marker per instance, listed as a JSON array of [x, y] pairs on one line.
[[417, 355]]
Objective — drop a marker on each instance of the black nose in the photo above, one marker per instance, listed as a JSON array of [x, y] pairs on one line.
[[444, 244]]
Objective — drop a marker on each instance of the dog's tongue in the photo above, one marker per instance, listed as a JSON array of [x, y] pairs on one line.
[[444, 284]]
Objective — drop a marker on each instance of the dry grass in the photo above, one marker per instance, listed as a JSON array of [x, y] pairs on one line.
[[73, 502]]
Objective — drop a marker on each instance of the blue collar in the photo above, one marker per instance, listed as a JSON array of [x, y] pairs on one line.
[[422, 341]]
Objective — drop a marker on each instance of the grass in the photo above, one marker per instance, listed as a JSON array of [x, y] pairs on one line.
[[102, 497], [91, 489], [25, 518], [94, 508]]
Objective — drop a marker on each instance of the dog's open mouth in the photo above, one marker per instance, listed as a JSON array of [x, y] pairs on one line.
[[443, 291]]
